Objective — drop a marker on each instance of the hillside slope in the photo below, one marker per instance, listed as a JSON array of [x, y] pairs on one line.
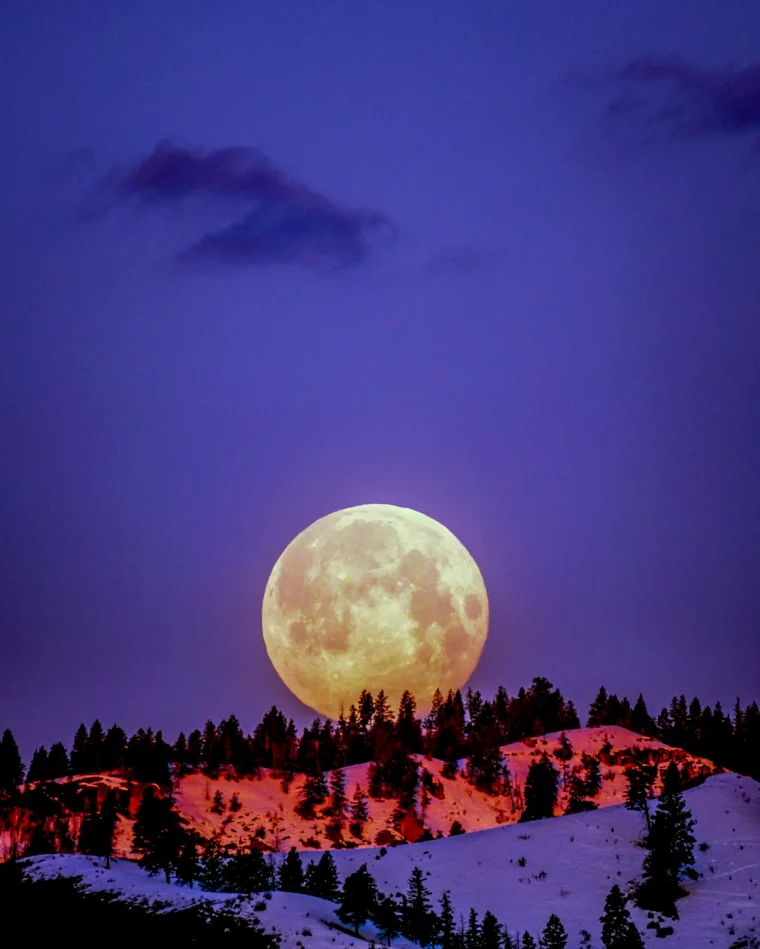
[[570, 863]]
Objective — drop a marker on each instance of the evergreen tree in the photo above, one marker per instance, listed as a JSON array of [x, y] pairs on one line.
[[98, 830], [325, 884], [58, 762], [11, 766], [95, 745], [217, 804], [158, 834], [187, 863], [114, 749], [39, 769], [554, 935], [541, 788], [670, 848], [578, 801], [338, 793], [212, 867], [359, 811], [80, 759], [593, 780], [528, 942], [490, 932], [246, 871], [640, 780], [420, 923], [618, 929], [358, 899], [641, 721], [472, 933], [597, 714], [313, 793], [387, 918], [448, 927], [291, 872]]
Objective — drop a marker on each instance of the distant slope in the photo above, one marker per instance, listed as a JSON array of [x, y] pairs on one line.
[[265, 806]]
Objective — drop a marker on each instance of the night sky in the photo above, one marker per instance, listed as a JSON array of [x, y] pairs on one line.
[[498, 262]]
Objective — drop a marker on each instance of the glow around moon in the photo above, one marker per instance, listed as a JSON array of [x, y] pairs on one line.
[[374, 597]]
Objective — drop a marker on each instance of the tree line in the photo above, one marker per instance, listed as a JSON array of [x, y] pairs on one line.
[[457, 727]]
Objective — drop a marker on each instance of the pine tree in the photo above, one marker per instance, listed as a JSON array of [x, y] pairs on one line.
[[358, 899], [95, 745], [670, 846], [541, 787], [448, 926], [640, 779], [291, 872], [158, 834], [387, 918], [593, 780], [359, 812], [326, 884], [577, 801], [246, 870], [39, 768], [597, 714], [618, 929], [212, 867], [338, 793], [58, 762], [641, 721], [528, 942], [217, 804], [11, 766], [490, 932], [80, 759], [472, 933], [554, 935], [420, 922], [313, 793], [187, 863]]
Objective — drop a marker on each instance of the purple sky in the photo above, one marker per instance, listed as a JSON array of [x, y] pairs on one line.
[[260, 261]]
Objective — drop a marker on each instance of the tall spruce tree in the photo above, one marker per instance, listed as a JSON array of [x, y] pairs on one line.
[[541, 788], [158, 834], [472, 933], [58, 762], [291, 876], [490, 932], [420, 922], [448, 926], [39, 769], [554, 935], [11, 765], [670, 848], [528, 942], [640, 779], [80, 757], [387, 917], [326, 880], [338, 793], [98, 830], [358, 898], [618, 929]]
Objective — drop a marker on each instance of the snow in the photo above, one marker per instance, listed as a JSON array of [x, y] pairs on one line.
[[265, 806], [570, 864]]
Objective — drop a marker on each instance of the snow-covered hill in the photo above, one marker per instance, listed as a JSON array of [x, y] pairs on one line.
[[525, 872], [266, 809]]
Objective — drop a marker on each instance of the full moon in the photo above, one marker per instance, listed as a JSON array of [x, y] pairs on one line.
[[374, 597]]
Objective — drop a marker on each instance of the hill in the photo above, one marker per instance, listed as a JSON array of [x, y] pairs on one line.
[[522, 873]]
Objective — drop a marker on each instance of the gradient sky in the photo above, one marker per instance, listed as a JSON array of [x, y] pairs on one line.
[[494, 261]]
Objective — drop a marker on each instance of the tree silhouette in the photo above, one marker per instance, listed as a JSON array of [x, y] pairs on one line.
[[358, 899], [541, 787], [11, 766], [618, 929]]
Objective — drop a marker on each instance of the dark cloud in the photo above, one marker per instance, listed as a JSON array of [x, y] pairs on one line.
[[281, 220], [673, 97]]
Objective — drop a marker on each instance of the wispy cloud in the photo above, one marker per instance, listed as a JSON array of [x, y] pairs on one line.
[[672, 97], [278, 220]]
